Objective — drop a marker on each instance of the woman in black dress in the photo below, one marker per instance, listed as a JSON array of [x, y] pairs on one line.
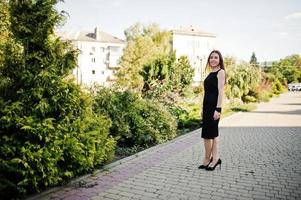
[[212, 103]]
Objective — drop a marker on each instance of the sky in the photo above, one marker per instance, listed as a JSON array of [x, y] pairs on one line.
[[270, 28]]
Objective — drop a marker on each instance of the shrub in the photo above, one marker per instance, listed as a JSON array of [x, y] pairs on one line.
[[135, 121], [48, 132], [248, 99]]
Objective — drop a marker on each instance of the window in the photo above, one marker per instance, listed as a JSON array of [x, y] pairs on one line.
[[114, 49], [102, 72], [102, 49], [93, 49], [93, 60], [93, 71]]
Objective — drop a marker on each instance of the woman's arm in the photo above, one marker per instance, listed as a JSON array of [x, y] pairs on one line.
[[220, 84]]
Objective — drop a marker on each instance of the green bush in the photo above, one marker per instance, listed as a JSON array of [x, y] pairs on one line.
[[135, 121], [39, 151], [264, 96], [190, 119], [48, 131], [277, 87], [248, 99], [241, 79]]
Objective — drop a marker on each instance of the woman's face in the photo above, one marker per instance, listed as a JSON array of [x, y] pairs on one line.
[[214, 60]]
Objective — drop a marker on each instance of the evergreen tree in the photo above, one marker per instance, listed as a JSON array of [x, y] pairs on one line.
[[48, 132], [181, 75], [166, 74], [253, 60]]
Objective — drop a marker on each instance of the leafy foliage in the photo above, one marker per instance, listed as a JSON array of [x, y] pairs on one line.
[[135, 121], [143, 44], [287, 70], [48, 132], [164, 75], [242, 80], [4, 27]]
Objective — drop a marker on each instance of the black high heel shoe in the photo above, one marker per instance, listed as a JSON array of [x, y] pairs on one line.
[[219, 162], [205, 166]]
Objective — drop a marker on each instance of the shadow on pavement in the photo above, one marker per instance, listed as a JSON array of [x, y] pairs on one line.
[[294, 112]]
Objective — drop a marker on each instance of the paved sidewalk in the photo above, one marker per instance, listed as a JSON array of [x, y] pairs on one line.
[[260, 152]]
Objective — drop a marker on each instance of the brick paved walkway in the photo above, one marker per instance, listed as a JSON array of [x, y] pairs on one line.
[[260, 150]]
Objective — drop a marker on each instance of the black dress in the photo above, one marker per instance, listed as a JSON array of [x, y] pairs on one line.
[[210, 126]]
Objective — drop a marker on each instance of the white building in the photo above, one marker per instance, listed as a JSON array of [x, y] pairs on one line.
[[98, 57], [196, 45]]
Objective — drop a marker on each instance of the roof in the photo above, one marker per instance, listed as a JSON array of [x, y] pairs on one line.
[[89, 36], [192, 31]]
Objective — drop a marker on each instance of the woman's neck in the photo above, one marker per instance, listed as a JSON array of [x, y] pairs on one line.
[[214, 69]]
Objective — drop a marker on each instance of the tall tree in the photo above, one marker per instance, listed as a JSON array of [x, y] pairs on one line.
[[292, 60], [287, 70], [4, 26], [144, 44], [48, 132], [241, 79], [253, 60], [181, 75], [133, 31], [135, 55], [165, 74]]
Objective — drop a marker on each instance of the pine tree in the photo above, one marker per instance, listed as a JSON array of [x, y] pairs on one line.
[[165, 74], [48, 132], [253, 60]]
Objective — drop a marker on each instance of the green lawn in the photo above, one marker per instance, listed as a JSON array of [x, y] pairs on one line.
[[230, 109]]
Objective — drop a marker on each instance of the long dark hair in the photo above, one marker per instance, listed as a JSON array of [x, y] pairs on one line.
[[221, 61]]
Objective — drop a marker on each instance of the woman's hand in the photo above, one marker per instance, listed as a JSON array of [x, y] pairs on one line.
[[216, 115]]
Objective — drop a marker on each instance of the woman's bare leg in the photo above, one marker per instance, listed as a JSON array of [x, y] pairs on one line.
[[215, 150], [208, 150]]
